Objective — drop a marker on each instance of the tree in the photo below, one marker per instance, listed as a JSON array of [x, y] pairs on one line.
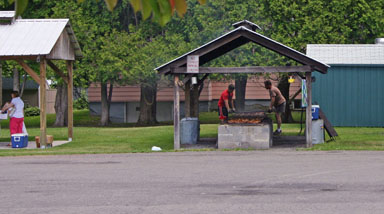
[[161, 10], [298, 23], [99, 63], [143, 60]]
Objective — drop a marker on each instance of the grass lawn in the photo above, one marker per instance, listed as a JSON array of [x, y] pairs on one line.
[[91, 139], [351, 138]]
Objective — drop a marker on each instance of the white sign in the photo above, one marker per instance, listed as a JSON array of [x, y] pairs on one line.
[[193, 64]]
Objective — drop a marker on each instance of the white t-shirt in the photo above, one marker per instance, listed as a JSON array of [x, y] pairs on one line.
[[19, 106]]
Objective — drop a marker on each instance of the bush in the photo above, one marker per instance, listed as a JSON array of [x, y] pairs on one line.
[[31, 111], [81, 102]]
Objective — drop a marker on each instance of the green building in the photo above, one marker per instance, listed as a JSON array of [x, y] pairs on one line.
[[352, 92]]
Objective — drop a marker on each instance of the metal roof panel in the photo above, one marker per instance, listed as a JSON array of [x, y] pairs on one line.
[[347, 54], [32, 36]]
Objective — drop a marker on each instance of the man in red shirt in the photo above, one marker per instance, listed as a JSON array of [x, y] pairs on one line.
[[225, 99]]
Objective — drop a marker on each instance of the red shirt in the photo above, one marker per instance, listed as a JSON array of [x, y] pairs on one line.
[[224, 96]]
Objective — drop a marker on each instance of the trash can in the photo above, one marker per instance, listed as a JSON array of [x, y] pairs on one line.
[[189, 130], [317, 131]]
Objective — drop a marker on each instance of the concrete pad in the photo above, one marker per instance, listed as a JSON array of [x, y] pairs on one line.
[[32, 144]]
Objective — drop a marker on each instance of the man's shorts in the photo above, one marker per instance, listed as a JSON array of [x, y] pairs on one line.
[[280, 108], [223, 113]]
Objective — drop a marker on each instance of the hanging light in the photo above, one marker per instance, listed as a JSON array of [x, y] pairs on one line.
[[291, 79]]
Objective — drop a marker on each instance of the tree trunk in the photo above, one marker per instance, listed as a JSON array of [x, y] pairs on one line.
[[187, 102], [195, 101], [16, 80], [148, 105], [284, 89], [110, 97], [104, 105], [23, 85], [240, 87], [61, 105]]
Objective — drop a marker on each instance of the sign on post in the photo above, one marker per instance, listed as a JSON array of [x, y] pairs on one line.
[[304, 102], [193, 64]]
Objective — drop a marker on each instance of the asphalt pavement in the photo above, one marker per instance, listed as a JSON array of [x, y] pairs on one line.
[[274, 181]]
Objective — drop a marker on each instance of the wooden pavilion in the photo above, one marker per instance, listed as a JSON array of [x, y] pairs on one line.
[[243, 33], [42, 41]]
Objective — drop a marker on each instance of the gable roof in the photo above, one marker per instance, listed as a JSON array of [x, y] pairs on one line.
[[349, 54], [234, 39], [35, 37]]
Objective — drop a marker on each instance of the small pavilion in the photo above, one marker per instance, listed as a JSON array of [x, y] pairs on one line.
[[244, 32], [42, 41]]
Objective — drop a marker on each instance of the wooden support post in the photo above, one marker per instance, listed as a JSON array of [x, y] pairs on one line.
[[187, 103], [70, 99], [176, 114], [43, 103], [195, 102], [308, 115]]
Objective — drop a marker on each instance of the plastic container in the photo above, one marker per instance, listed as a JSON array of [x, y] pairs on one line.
[[189, 130], [315, 112], [19, 140], [3, 115]]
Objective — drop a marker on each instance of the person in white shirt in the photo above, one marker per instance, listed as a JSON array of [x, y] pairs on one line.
[[17, 118]]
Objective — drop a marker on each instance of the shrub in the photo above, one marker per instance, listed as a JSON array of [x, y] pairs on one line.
[[31, 111], [81, 102]]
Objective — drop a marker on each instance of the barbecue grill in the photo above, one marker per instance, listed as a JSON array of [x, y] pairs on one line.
[[248, 118], [246, 130]]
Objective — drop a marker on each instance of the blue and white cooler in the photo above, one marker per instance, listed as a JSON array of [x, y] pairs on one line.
[[315, 112], [19, 140]]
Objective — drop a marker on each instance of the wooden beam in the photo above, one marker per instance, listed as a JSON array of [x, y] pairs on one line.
[[70, 99], [248, 70], [308, 115], [43, 104], [284, 50], [32, 57], [202, 79], [294, 96], [300, 75], [58, 71], [29, 70], [176, 114], [201, 52], [187, 78]]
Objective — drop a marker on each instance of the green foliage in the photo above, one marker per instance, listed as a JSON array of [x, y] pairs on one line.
[[120, 47], [161, 10], [81, 102], [31, 111]]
